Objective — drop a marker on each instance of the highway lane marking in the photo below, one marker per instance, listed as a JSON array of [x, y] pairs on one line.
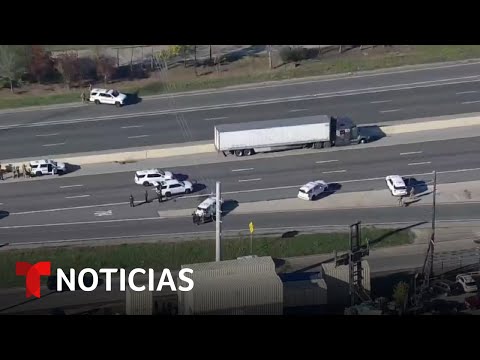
[[389, 111], [76, 223], [470, 102], [247, 169], [420, 163], [69, 186], [76, 196], [45, 135], [131, 126], [242, 191], [372, 90], [334, 171], [249, 88], [245, 180], [297, 110], [466, 92], [216, 118], [325, 161], [380, 101], [411, 152], [57, 144], [137, 136], [103, 213]]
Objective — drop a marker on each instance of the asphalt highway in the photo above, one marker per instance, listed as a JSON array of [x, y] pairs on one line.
[[97, 206], [357, 169], [167, 120]]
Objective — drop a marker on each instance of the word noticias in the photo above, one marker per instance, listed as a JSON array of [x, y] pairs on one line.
[[33, 273]]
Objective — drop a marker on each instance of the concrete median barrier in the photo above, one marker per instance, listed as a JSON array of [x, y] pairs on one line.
[[431, 125], [178, 150]]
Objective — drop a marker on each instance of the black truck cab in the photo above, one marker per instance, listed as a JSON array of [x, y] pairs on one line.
[[345, 132]]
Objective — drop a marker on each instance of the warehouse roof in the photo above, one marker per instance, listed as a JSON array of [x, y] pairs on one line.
[[265, 124], [233, 267]]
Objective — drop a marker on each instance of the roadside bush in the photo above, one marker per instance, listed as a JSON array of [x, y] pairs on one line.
[[288, 54]]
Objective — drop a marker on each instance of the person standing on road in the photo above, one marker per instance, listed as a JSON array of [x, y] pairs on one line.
[[159, 195], [132, 201], [84, 97], [146, 197], [400, 200], [1, 173], [412, 192]]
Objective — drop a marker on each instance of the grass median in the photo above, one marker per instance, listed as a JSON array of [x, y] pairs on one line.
[[172, 255], [254, 70]]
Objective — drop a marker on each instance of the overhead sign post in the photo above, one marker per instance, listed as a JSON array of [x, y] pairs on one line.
[[252, 229]]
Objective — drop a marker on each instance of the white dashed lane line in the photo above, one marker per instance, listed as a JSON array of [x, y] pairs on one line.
[[389, 111], [380, 101], [470, 102], [245, 180], [466, 92], [297, 110], [325, 161], [138, 136], [411, 153], [76, 197], [420, 163], [69, 186], [57, 144], [45, 135], [334, 171], [236, 170], [216, 118], [131, 126]]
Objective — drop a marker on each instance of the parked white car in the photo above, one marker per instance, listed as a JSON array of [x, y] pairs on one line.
[[152, 176], [107, 96], [47, 167], [467, 282], [396, 185], [173, 187], [312, 189]]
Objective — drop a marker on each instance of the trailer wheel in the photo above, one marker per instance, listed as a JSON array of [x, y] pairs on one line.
[[327, 144], [318, 145], [239, 153], [249, 152]]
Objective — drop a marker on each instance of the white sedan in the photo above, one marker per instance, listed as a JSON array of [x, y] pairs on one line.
[[173, 187], [312, 189], [467, 282]]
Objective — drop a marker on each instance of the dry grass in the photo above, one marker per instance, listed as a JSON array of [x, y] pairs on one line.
[[252, 70]]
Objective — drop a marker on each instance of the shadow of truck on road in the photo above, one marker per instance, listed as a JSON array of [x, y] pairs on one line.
[[372, 132]]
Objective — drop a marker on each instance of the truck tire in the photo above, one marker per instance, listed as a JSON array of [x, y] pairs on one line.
[[239, 153], [97, 102], [146, 183], [117, 104], [327, 144], [318, 145], [168, 194], [249, 152], [38, 173]]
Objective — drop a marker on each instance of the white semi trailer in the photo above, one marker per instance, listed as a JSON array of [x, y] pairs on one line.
[[316, 132]]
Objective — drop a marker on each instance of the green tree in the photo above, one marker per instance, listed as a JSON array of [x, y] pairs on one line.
[[166, 54], [400, 296], [12, 63], [186, 50]]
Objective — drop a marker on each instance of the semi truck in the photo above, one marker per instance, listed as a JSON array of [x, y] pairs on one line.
[[317, 132]]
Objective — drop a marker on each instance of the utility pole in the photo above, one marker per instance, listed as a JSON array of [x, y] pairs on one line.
[[434, 219], [218, 221], [428, 263]]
